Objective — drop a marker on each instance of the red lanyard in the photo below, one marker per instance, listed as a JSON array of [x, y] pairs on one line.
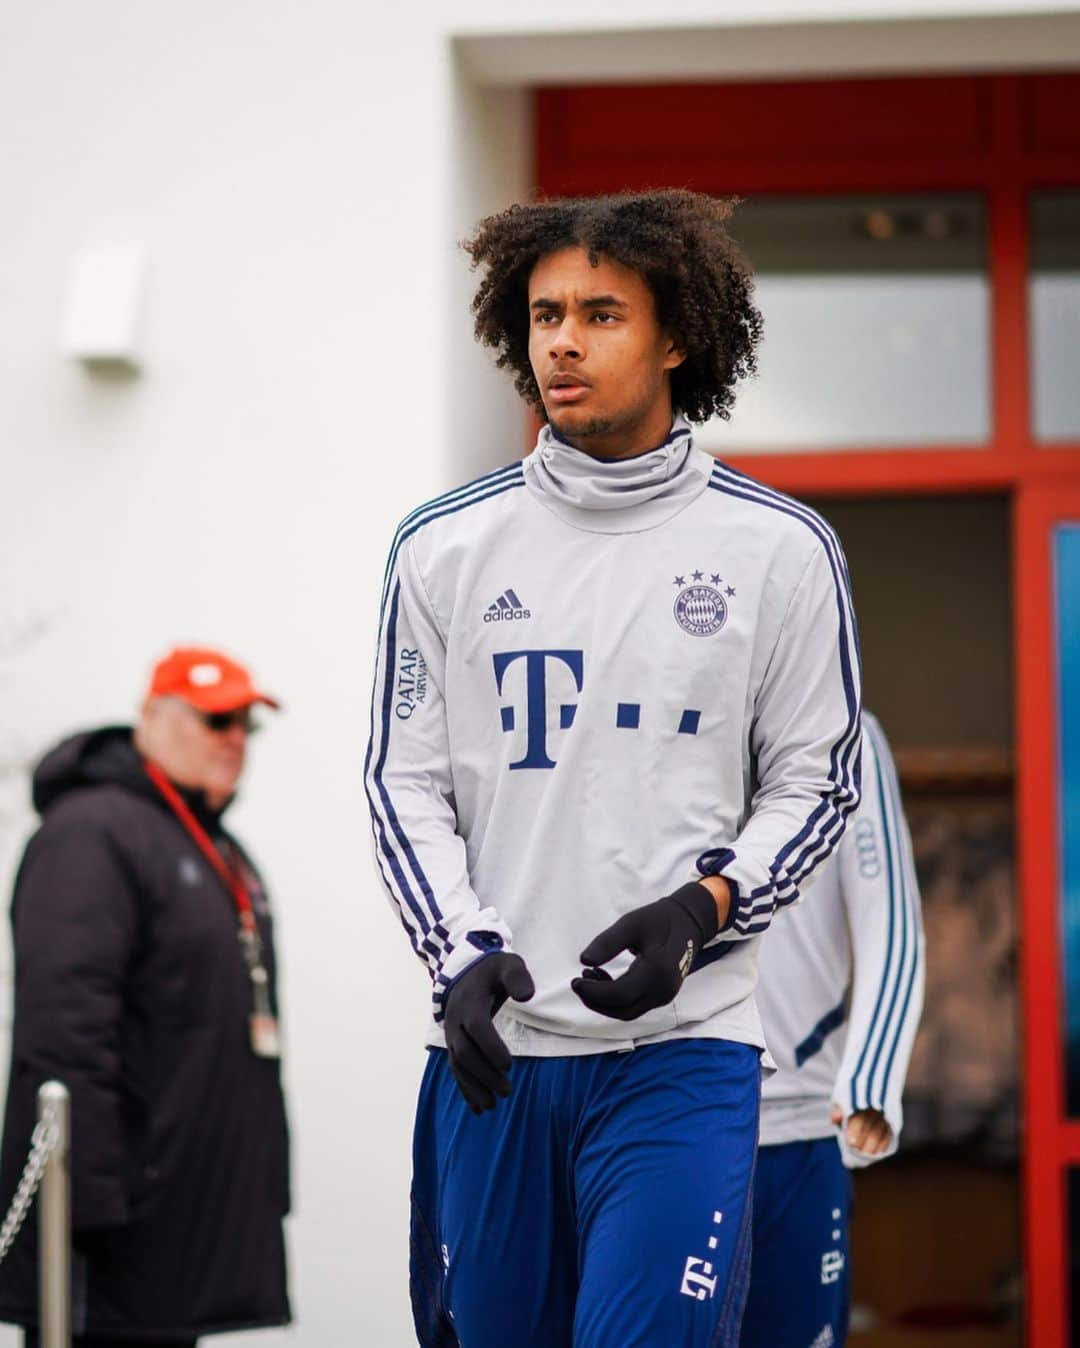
[[228, 877]]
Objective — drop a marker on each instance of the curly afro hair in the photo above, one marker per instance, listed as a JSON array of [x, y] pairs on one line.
[[677, 240]]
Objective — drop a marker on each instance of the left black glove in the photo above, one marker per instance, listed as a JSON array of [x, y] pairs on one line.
[[479, 1059], [665, 936]]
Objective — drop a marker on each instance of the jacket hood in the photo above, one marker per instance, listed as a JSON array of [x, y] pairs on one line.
[[97, 758]]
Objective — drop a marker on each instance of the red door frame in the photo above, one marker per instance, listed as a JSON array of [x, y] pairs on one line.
[[1002, 136]]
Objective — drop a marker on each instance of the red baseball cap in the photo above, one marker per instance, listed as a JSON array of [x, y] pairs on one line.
[[206, 679]]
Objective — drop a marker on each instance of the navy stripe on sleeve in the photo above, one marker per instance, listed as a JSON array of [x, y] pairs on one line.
[[903, 976], [902, 943], [824, 827], [815, 1040], [416, 901], [483, 489], [848, 742], [427, 921]]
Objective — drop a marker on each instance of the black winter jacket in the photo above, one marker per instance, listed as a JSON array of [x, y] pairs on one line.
[[130, 987]]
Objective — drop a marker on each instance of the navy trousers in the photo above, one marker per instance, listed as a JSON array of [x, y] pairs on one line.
[[605, 1204], [800, 1283]]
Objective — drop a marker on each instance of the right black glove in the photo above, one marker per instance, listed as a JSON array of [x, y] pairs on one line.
[[479, 1059], [665, 937]]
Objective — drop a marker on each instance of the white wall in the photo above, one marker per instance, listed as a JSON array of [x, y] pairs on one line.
[[299, 175], [287, 168]]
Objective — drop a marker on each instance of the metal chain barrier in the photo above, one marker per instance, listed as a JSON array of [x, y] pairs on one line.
[[48, 1168], [43, 1143]]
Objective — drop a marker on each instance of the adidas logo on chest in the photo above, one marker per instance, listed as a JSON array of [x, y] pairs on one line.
[[507, 608]]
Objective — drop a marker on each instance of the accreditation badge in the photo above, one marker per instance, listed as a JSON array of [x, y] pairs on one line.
[[265, 1036]]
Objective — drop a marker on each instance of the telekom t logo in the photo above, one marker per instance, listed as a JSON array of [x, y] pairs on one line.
[[536, 681], [696, 1282]]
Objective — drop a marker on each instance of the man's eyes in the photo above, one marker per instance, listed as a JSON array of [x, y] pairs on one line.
[[601, 316]]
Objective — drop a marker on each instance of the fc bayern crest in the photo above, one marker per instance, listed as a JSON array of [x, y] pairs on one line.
[[700, 610]]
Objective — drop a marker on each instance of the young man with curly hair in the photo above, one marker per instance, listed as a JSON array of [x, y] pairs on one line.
[[615, 727]]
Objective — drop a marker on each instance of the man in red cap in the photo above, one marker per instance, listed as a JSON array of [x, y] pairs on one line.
[[196, 718], [144, 980]]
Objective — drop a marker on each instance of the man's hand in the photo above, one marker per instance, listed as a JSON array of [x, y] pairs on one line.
[[867, 1131], [479, 1059], [665, 936]]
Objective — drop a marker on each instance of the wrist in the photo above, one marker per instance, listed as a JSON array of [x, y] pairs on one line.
[[698, 901], [720, 890]]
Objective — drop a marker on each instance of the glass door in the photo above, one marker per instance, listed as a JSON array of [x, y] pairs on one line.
[[1048, 677]]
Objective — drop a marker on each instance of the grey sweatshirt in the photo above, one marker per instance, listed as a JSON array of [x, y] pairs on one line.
[[596, 680]]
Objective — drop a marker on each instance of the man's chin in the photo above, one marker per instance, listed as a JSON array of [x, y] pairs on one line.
[[574, 424], [222, 785]]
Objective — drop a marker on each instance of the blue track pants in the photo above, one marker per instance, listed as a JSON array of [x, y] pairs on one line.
[[605, 1204], [800, 1285]]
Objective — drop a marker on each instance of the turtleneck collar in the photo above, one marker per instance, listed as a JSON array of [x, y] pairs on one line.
[[618, 495]]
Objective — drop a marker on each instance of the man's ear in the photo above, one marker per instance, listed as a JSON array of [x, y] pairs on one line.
[[149, 720], [674, 355]]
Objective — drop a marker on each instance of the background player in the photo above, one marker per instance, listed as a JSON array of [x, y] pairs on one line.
[[616, 709], [850, 956]]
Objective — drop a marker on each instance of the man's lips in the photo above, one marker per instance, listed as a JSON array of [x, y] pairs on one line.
[[566, 388]]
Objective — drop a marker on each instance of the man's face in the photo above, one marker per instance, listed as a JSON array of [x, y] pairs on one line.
[[194, 749], [598, 352]]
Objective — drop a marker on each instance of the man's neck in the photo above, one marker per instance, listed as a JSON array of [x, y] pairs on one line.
[[213, 801]]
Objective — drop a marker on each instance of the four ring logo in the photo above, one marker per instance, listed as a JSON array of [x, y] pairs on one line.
[[866, 849]]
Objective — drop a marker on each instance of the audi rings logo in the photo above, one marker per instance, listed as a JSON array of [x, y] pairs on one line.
[[866, 850]]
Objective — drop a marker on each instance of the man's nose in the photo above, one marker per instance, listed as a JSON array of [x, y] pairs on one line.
[[566, 341]]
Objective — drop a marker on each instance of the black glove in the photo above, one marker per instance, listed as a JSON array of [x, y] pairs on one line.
[[479, 1059], [665, 936]]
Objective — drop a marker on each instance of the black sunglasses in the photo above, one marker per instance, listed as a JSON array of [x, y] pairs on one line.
[[225, 720]]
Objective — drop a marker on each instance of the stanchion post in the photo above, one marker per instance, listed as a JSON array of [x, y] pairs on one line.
[[54, 1231]]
